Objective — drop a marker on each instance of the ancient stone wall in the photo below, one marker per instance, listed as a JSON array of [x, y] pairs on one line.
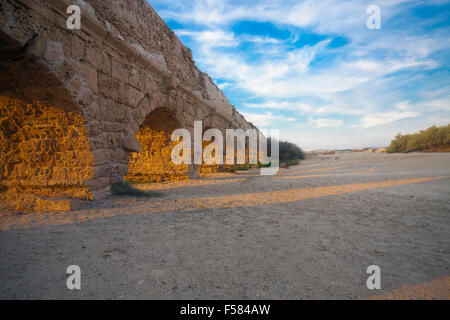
[[153, 163], [120, 66]]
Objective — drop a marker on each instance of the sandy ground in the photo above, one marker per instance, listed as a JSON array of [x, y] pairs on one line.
[[308, 233]]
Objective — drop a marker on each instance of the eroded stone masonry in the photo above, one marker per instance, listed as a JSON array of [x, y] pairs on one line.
[[80, 110]]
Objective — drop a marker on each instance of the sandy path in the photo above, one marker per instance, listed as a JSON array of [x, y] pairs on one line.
[[435, 289], [309, 232]]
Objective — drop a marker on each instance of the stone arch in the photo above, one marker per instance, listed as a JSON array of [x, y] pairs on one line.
[[46, 156], [205, 169], [153, 162], [237, 151]]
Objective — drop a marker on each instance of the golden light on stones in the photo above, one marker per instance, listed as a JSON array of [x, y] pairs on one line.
[[205, 169], [154, 163], [45, 153]]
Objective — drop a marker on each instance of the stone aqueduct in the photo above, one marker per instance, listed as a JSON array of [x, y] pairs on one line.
[[74, 103]]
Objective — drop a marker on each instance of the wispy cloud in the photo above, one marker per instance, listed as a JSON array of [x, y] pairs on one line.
[[266, 119], [323, 123], [376, 119], [211, 38]]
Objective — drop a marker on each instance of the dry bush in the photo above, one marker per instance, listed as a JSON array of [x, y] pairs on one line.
[[430, 138]]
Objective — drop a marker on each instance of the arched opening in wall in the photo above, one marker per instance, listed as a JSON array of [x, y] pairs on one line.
[[154, 162], [239, 153], [45, 153], [45, 156], [204, 170]]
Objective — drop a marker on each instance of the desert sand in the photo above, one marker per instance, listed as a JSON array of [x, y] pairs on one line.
[[309, 232]]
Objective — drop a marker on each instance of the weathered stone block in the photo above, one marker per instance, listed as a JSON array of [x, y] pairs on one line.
[[90, 75], [100, 156], [127, 73], [188, 119], [78, 48], [119, 169], [149, 83], [118, 69], [129, 95], [113, 140], [97, 57], [101, 194], [98, 184], [102, 171], [98, 142], [54, 52], [108, 87], [94, 128], [191, 109], [119, 156], [114, 127], [130, 144], [201, 114]]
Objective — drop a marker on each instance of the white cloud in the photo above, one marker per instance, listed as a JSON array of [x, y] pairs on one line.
[[224, 85], [211, 38], [442, 104], [376, 119], [263, 40], [323, 123], [403, 105], [280, 105], [265, 119]]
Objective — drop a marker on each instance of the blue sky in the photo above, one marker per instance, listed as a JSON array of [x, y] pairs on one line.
[[315, 71]]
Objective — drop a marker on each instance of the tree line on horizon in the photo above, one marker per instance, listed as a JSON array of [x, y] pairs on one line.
[[289, 153], [425, 139]]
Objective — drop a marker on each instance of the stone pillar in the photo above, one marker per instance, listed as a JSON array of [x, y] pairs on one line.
[[193, 171]]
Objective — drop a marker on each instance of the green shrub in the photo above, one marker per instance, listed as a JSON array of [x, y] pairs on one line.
[[126, 189], [431, 137], [237, 167], [289, 163], [267, 165], [288, 152], [289, 155]]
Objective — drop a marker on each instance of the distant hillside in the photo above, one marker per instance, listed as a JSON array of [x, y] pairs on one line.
[[433, 139]]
